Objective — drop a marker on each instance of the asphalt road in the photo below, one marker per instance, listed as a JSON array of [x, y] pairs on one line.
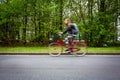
[[25, 67]]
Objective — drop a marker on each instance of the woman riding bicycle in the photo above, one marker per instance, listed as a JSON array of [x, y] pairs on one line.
[[73, 30]]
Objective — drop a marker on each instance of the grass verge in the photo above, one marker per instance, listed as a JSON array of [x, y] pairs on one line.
[[45, 49], [104, 49]]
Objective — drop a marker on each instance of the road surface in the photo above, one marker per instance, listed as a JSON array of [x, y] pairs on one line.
[[25, 67]]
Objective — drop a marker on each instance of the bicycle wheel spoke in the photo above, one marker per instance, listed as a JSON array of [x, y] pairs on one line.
[[80, 49], [54, 49]]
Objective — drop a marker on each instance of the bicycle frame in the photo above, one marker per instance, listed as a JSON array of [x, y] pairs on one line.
[[75, 47], [62, 43]]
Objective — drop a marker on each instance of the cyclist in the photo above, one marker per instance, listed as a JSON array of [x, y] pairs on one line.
[[72, 31]]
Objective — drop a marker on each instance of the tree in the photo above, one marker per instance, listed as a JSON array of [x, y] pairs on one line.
[[35, 21]]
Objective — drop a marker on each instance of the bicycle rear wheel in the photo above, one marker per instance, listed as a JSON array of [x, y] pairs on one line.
[[54, 49], [80, 49]]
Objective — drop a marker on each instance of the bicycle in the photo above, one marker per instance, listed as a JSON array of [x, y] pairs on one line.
[[77, 48]]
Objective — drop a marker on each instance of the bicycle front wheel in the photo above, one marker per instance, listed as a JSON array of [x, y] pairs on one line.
[[54, 49], [80, 49]]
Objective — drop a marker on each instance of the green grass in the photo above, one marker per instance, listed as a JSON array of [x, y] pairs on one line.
[[24, 49], [104, 49], [45, 49]]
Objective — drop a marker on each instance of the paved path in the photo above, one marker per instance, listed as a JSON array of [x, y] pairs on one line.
[[25, 67]]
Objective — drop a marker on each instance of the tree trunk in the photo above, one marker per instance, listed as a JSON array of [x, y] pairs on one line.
[[102, 22], [61, 15], [25, 21], [90, 16]]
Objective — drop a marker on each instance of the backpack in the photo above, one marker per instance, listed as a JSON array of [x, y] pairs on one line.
[[76, 30]]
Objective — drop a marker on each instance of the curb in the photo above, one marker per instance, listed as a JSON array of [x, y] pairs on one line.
[[21, 53]]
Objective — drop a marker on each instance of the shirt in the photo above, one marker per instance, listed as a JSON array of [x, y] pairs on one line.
[[70, 30]]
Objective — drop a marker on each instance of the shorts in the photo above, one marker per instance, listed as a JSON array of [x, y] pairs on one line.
[[77, 37]]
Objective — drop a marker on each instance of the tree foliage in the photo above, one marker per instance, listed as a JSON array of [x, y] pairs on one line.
[[35, 21]]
